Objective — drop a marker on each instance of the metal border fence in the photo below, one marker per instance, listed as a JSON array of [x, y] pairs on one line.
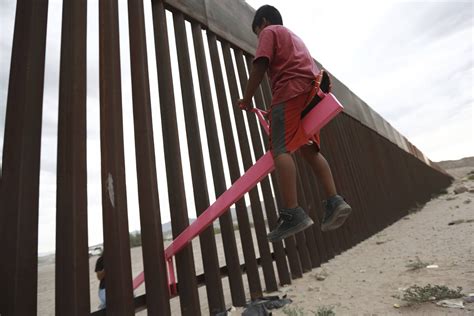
[[378, 170]]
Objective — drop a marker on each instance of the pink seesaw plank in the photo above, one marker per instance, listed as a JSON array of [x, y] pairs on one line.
[[316, 119]]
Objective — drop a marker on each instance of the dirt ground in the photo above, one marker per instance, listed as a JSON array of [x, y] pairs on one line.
[[365, 279]]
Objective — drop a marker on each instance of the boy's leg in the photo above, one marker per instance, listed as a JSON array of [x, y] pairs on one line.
[[336, 209], [293, 218], [320, 168], [286, 177]]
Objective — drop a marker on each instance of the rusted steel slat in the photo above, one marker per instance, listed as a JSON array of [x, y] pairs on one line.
[[189, 299], [311, 191], [227, 229], [72, 253], [303, 201], [21, 161], [335, 154], [257, 211], [291, 250], [374, 181], [377, 200], [330, 238], [359, 180], [241, 209], [324, 238], [114, 200], [360, 172], [280, 257], [355, 224], [156, 281], [325, 150], [215, 294]]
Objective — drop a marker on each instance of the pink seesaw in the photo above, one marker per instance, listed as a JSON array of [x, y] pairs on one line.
[[313, 122]]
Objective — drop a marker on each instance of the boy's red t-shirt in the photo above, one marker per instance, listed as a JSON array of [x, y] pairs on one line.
[[291, 67]]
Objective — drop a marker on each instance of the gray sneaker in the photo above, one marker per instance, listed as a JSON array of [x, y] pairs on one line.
[[291, 221], [337, 211]]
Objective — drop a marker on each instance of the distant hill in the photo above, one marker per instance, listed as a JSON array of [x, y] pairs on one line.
[[460, 163]]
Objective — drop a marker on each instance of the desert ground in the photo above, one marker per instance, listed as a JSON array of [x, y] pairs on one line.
[[368, 279]]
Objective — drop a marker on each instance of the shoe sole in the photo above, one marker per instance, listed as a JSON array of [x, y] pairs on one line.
[[340, 216], [294, 230]]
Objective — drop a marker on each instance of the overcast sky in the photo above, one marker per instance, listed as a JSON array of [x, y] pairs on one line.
[[411, 61]]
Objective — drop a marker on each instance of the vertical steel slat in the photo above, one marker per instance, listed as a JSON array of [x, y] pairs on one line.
[[215, 295], [114, 200], [354, 224], [72, 253], [303, 200], [156, 281], [189, 299], [384, 185], [21, 161], [257, 211], [337, 161], [367, 142], [326, 240], [335, 237], [361, 172], [241, 209], [225, 220], [279, 251], [330, 238], [291, 247], [312, 207]]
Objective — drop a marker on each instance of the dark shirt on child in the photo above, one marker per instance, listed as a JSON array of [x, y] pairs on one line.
[[99, 266]]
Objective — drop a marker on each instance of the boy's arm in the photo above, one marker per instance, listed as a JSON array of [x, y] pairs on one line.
[[259, 68], [100, 275]]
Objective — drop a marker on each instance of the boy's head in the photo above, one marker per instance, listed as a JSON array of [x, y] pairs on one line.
[[264, 16]]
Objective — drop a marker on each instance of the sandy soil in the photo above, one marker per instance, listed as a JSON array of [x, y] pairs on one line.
[[364, 279]]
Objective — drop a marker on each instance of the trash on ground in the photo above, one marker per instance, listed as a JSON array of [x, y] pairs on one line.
[[396, 305], [451, 303], [432, 266], [260, 306], [227, 311], [469, 298], [320, 277], [456, 222], [460, 221], [460, 189]]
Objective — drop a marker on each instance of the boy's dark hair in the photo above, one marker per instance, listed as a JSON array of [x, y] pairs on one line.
[[268, 12]]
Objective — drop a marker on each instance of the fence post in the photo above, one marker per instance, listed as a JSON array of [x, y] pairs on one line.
[[114, 199], [156, 281], [189, 299], [21, 161], [72, 257]]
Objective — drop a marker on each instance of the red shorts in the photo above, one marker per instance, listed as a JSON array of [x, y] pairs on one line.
[[286, 131]]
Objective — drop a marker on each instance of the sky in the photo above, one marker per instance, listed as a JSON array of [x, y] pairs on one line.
[[411, 61]]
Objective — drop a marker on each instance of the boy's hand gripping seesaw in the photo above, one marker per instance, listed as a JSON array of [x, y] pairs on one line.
[[316, 119]]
